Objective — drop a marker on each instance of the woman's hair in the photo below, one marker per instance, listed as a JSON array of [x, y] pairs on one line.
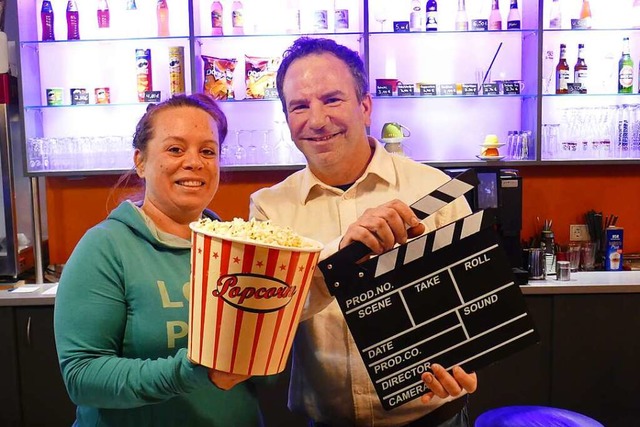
[[144, 133], [305, 46]]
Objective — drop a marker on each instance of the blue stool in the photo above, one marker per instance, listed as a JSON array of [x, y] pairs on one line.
[[534, 416]]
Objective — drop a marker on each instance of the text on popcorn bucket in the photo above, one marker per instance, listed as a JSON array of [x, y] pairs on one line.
[[254, 292]]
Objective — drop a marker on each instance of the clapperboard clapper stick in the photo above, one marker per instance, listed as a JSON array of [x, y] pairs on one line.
[[446, 297]]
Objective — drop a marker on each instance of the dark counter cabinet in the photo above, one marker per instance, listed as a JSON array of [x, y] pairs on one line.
[[586, 360], [32, 392]]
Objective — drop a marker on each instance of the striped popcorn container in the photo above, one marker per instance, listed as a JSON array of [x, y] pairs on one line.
[[245, 302]]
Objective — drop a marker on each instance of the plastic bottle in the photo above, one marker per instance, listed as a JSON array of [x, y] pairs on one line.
[[216, 18], [416, 22], [73, 21], [103, 14], [237, 18], [162, 14], [462, 20], [46, 16], [555, 16], [585, 14]]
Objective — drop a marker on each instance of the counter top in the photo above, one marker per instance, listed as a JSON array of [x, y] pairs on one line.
[[43, 295], [587, 282], [583, 282]]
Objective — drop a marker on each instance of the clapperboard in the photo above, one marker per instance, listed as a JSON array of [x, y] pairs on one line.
[[446, 297]]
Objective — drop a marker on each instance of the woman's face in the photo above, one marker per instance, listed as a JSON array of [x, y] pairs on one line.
[[180, 165]]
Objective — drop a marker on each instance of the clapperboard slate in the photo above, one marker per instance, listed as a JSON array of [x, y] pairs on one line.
[[446, 297]]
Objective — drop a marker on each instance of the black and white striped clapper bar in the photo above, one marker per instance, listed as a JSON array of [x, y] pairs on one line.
[[446, 297]]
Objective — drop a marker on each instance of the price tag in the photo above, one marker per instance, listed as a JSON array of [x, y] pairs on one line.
[[448, 89], [406, 89], [479, 24], [490, 89], [513, 25], [384, 90], [428, 90], [470, 89], [511, 88], [579, 24], [400, 26], [270, 93], [152, 96], [574, 87]]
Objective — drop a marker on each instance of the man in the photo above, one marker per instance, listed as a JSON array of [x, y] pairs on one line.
[[351, 190]]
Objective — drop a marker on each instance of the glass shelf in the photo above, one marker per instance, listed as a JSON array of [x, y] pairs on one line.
[[101, 40], [83, 106], [295, 35], [586, 30], [461, 33], [455, 96]]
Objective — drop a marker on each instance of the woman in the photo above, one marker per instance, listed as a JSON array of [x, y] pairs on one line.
[[122, 305]]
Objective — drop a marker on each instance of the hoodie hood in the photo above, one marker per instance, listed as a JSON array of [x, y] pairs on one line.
[[132, 216]]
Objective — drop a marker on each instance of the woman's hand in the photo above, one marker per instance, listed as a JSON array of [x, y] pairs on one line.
[[225, 380], [443, 384]]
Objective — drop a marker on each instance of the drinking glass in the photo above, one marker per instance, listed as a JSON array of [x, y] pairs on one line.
[[574, 255], [380, 13], [588, 256]]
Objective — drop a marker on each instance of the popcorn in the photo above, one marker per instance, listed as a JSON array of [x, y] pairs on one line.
[[254, 231]]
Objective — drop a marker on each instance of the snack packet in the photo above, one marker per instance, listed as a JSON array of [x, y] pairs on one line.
[[260, 73], [218, 76]]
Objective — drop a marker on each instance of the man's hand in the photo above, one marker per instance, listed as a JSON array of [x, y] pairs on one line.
[[225, 380], [443, 384], [382, 227]]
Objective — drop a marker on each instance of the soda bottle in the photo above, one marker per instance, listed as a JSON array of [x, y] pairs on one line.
[[103, 14], [495, 19], [462, 20], [73, 21], [585, 14], [513, 19], [415, 19], [237, 18], [46, 16], [216, 18], [162, 12], [432, 15], [562, 71]]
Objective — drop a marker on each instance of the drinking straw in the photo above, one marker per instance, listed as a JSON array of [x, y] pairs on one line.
[[491, 65]]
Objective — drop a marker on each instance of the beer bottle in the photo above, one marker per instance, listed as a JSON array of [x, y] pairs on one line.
[[580, 71], [562, 71], [625, 69]]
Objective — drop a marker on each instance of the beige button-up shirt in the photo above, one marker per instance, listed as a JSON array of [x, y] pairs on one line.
[[329, 381]]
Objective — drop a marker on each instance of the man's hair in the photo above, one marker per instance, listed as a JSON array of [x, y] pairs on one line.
[[305, 46]]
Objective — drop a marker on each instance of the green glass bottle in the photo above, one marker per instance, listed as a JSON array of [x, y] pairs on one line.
[[625, 69]]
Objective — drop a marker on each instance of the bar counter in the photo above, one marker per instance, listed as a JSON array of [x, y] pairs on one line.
[[583, 282]]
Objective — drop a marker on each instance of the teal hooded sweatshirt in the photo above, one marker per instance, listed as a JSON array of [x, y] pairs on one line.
[[121, 316]]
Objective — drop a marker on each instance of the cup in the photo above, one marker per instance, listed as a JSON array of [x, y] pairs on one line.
[[574, 256], [588, 256], [395, 131], [614, 261], [536, 264], [563, 270]]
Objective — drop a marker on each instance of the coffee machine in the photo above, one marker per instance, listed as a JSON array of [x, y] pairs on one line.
[[500, 193]]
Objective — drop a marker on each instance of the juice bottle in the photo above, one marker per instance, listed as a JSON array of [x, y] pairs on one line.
[[103, 14], [216, 19], [162, 12], [495, 19], [73, 21], [237, 18], [46, 16]]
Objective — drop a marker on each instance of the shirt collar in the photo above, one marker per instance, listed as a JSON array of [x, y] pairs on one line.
[[379, 165]]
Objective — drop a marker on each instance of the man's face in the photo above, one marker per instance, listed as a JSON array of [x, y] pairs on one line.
[[327, 122]]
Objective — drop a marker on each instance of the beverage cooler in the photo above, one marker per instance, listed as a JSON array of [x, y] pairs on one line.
[[17, 207]]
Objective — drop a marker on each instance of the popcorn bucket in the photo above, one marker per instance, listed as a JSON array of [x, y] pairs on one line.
[[245, 301]]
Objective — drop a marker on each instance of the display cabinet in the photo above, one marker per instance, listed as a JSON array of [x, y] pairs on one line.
[[450, 87]]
